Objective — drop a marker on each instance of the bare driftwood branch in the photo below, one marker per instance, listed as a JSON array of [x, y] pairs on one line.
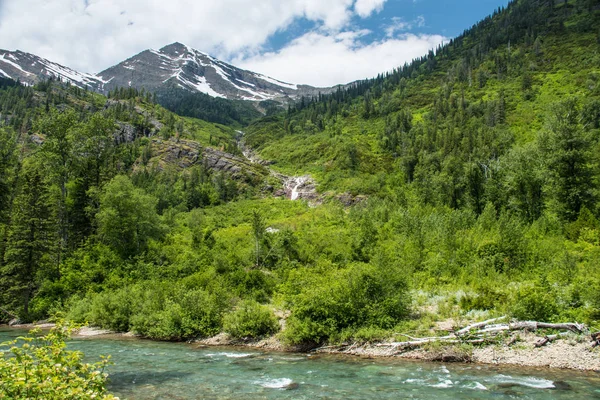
[[417, 343], [550, 338], [469, 328], [574, 327], [531, 326], [487, 331]]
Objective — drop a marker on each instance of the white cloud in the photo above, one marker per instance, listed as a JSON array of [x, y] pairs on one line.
[[91, 35], [364, 8], [325, 60], [400, 25]]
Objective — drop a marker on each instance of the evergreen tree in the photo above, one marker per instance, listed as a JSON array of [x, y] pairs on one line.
[[567, 149], [58, 155], [31, 240]]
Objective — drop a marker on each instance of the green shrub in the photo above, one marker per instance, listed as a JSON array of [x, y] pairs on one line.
[[176, 314], [250, 319], [593, 297], [40, 367], [534, 303], [156, 310], [359, 297], [113, 309], [484, 298], [78, 310]]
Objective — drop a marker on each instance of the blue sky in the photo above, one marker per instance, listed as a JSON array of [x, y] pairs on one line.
[[397, 32], [317, 42], [443, 17]]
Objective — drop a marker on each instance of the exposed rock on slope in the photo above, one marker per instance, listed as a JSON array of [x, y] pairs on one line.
[[185, 154]]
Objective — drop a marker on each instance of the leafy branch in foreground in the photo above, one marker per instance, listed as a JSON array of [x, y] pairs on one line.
[[40, 367]]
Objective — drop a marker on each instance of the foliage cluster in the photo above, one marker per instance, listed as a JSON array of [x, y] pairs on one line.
[[40, 367], [250, 319]]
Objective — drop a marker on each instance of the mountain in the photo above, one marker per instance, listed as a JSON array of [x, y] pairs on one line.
[[181, 66], [175, 66], [30, 69]]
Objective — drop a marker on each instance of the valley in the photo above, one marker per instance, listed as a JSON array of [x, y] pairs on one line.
[[178, 198]]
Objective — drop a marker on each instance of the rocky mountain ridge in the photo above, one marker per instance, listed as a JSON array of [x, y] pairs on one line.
[[175, 66], [30, 69]]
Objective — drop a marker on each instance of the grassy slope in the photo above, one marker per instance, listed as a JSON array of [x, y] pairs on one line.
[[564, 70]]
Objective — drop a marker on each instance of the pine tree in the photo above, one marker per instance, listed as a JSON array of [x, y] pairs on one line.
[[30, 242], [567, 149], [57, 151]]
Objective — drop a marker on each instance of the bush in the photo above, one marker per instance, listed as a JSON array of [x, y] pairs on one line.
[[78, 310], [250, 320], [534, 303], [156, 310], [356, 298], [178, 314], [113, 310], [485, 298], [593, 296], [40, 367]]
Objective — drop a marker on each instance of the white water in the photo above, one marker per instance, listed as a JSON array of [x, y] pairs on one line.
[[291, 184], [299, 182]]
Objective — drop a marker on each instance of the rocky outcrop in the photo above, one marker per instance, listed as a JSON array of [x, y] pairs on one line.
[[124, 133], [300, 187], [185, 154]]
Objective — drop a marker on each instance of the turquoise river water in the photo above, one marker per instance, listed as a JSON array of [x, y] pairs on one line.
[[154, 370]]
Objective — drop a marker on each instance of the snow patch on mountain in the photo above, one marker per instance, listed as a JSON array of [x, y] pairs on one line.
[[12, 63], [29, 69], [202, 86], [279, 83]]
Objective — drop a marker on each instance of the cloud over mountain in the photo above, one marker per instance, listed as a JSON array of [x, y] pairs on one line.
[[91, 35]]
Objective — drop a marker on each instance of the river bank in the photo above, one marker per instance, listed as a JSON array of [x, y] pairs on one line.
[[573, 352]]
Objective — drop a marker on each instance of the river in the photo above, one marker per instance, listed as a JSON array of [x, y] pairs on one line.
[[156, 370]]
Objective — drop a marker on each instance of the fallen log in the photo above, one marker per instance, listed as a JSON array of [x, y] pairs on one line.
[[574, 327], [487, 331], [469, 328], [417, 343], [548, 339], [531, 326]]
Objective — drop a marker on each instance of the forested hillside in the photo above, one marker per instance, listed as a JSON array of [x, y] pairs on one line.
[[470, 180]]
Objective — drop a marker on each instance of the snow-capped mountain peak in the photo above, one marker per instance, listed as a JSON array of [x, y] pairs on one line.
[[178, 65], [173, 66], [29, 69]]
